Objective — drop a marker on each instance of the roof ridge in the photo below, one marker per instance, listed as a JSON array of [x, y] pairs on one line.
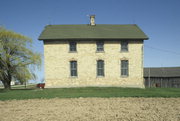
[[88, 24]]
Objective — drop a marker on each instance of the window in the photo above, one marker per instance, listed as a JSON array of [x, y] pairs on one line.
[[100, 68], [100, 46], [124, 68], [72, 46], [124, 46], [73, 67]]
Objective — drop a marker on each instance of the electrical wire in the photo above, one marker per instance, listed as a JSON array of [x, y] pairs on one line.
[[162, 50]]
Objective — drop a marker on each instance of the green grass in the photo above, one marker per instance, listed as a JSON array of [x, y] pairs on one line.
[[105, 92]]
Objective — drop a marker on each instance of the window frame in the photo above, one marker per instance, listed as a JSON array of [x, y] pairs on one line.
[[124, 46], [100, 46], [73, 68], [72, 46], [100, 68], [124, 67]]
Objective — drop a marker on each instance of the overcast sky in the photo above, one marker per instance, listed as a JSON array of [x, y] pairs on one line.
[[159, 19]]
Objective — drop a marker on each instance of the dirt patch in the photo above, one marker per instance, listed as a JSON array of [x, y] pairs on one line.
[[91, 109]]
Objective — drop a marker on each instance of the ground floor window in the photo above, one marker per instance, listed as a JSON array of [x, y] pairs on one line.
[[100, 68], [73, 68], [124, 68]]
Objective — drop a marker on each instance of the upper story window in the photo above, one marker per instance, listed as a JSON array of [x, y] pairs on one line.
[[124, 46], [100, 68], [124, 68], [73, 68], [100, 46], [72, 46]]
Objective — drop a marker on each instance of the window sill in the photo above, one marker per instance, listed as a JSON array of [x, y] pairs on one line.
[[100, 51], [124, 76], [73, 77], [72, 51], [100, 76], [124, 51]]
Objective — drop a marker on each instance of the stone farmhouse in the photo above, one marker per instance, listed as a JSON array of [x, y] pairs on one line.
[[93, 55]]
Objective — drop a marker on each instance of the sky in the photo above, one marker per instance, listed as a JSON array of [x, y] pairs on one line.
[[159, 19]]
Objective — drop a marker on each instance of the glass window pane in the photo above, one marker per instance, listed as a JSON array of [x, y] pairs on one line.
[[124, 46], [99, 72], [102, 72], [124, 67], [73, 67], [100, 46], [71, 72], [72, 46], [100, 68]]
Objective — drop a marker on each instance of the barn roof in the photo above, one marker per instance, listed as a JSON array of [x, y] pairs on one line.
[[162, 72], [99, 31]]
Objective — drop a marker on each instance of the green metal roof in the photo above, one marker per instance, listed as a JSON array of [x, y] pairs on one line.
[[98, 31]]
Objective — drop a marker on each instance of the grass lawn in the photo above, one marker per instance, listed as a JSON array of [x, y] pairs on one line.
[[106, 92]]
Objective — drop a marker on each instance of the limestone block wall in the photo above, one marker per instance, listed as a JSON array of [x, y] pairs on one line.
[[58, 57]]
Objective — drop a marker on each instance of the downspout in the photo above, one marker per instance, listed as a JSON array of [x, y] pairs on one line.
[[142, 65]]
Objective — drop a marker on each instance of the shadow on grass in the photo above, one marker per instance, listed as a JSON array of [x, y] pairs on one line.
[[25, 89]]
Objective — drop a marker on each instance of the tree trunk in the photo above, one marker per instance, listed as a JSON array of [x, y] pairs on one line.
[[7, 85]]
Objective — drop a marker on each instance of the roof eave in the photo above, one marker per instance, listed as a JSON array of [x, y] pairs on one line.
[[43, 39], [146, 75]]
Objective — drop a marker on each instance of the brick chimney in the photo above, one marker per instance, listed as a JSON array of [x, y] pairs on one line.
[[92, 20]]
